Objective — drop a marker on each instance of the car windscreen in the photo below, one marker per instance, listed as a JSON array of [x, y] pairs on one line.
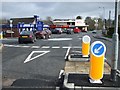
[[25, 33]]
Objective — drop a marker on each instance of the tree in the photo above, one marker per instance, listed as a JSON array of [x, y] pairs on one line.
[[78, 17], [48, 21], [89, 21]]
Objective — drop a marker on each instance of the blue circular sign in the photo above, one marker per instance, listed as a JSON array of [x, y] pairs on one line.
[[98, 48]]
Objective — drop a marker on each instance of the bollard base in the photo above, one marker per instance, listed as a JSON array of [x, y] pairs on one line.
[[87, 56], [95, 81]]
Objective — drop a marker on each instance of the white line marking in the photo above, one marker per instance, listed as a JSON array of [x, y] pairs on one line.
[[55, 47], [35, 47], [45, 47], [59, 39], [76, 47], [67, 52], [41, 54], [66, 47], [57, 88], [25, 46]]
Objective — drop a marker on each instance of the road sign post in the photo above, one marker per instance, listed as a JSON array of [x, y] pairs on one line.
[[115, 38], [85, 46], [97, 54]]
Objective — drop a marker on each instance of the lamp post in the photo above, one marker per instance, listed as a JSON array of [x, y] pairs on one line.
[[115, 45], [96, 23], [103, 18], [11, 26]]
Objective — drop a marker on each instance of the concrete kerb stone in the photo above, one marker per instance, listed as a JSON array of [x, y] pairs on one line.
[[102, 37], [67, 85], [96, 88], [1, 46]]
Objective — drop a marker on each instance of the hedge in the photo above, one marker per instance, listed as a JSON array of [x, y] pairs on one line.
[[111, 31]]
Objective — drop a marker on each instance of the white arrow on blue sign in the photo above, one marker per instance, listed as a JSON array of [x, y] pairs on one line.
[[98, 48]]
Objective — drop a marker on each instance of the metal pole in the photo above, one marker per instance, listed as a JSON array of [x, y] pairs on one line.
[[109, 18], [115, 46], [103, 18], [11, 26]]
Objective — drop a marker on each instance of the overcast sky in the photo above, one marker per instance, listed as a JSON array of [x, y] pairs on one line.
[[56, 9]]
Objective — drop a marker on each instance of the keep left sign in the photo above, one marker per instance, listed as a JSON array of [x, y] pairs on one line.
[[98, 48]]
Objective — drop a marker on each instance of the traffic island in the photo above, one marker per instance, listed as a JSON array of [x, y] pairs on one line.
[[76, 55], [81, 82], [77, 77]]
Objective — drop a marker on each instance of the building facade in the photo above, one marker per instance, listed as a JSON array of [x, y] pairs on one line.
[[71, 23]]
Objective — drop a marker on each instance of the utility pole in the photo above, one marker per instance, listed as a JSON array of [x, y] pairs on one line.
[[103, 19], [11, 25], [115, 45], [109, 19]]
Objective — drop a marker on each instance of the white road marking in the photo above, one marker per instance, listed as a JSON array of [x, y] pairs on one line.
[[76, 47], [59, 39], [35, 47], [55, 47], [29, 57], [67, 52], [25, 46], [66, 47], [45, 47]]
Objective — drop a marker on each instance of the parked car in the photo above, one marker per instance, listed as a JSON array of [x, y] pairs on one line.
[[76, 30], [56, 31], [69, 31], [26, 36], [83, 30], [94, 31], [44, 34]]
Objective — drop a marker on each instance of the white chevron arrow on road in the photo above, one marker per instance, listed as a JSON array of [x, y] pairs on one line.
[[41, 54]]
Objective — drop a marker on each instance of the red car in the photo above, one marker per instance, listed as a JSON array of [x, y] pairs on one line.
[[43, 34], [76, 30]]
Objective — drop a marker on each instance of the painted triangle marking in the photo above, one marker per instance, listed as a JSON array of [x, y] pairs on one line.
[[41, 54]]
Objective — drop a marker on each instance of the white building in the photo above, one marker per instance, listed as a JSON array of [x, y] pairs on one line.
[[72, 23]]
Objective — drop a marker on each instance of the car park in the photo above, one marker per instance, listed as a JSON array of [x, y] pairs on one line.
[[44, 34], [26, 36]]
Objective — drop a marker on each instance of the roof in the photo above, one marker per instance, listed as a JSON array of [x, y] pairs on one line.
[[64, 20], [22, 20]]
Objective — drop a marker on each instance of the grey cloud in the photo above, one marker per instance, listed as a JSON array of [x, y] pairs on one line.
[[54, 9]]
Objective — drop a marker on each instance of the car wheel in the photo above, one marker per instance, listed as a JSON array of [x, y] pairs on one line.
[[49, 36], [43, 36], [33, 40]]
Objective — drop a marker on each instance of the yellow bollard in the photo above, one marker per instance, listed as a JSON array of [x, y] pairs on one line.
[[1, 35], [97, 54], [85, 45]]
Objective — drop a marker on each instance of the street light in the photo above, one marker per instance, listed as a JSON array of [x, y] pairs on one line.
[[103, 18], [11, 26], [115, 45]]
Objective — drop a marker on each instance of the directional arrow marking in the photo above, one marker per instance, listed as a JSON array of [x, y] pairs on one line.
[[41, 54], [98, 50]]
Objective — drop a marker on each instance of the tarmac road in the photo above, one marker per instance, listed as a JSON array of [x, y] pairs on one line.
[[43, 69]]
